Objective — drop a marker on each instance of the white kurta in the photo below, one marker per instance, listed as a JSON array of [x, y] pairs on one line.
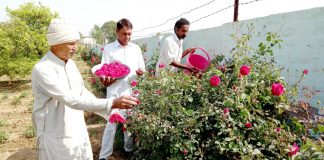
[[60, 98], [171, 50], [131, 56]]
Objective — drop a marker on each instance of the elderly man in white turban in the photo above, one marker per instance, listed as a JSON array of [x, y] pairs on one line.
[[61, 98]]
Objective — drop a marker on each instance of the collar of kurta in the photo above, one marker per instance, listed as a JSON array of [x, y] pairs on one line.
[[55, 59], [118, 45], [179, 41]]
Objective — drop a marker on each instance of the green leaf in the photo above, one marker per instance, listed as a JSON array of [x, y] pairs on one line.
[[320, 128], [228, 103], [245, 113], [269, 38], [218, 72]]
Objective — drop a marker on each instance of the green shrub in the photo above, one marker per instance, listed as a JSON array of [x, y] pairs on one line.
[[3, 123], [184, 117], [3, 136], [5, 95], [30, 132], [16, 101], [23, 39]]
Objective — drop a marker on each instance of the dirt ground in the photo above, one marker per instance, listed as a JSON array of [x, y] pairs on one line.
[[16, 101]]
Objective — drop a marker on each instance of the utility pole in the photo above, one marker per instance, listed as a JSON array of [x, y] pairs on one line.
[[236, 6]]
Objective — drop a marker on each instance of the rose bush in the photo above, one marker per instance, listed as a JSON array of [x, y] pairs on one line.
[[92, 56], [231, 112]]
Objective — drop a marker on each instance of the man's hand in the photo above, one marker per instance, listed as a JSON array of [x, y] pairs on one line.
[[140, 72], [124, 102], [193, 70], [107, 81], [188, 51]]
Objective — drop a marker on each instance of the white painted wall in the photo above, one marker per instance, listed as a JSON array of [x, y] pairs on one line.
[[303, 46]]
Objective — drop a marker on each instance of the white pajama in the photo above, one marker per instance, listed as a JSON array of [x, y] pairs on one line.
[[131, 56]]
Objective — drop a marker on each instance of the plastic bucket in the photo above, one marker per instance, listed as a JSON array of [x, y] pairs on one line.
[[200, 60]]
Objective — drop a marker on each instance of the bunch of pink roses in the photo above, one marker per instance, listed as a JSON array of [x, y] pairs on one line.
[[114, 70], [116, 118]]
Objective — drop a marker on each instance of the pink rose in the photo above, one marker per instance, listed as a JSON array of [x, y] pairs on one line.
[[116, 118], [248, 124], [245, 70], [226, 111], [278, 129], [133, 83], [102, 49], [138, 102], [221, 68], [158, 92], [123, 129], [305, 71], [136, 92], [214, 81], [277, 89], [93, 59], [161, 65], [293, 150], [93, 81], [185, 152]]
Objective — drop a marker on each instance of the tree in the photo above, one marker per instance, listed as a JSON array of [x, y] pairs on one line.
[[109, 31], [97, 34], [37, 17], [104, 34], [23, 39]]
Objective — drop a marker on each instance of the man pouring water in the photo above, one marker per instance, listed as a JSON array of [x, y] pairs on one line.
[[171, 49]]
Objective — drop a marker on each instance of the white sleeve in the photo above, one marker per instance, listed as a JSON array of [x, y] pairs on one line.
[[49, 84], [103, 112], [167, 53]]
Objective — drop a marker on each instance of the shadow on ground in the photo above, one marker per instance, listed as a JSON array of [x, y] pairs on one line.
[[24, 154]]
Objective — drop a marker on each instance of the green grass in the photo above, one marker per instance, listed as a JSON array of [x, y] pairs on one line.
[[5, 95], [3, 137], [17, 100], [30, 106], [3, 123], [30, 132], [24, 95]]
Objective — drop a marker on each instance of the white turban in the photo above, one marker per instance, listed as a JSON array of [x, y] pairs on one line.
[[60, 32]]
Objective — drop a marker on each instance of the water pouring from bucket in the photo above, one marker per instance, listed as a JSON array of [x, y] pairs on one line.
[[199, 59]]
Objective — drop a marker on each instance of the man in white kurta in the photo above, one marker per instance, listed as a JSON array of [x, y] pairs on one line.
[[129, 54], [60, 98], [171, 49]]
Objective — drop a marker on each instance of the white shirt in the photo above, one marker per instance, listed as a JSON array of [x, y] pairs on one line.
[[129, 55], [60, 98], [171, 50]]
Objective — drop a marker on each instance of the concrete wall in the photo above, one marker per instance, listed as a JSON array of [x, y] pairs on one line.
[[303, 46]]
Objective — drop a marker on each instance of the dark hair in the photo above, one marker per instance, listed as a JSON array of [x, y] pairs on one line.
[[181, 22], [124, 23]]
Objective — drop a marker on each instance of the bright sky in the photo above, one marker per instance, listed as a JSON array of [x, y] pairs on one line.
[[84, 14]]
